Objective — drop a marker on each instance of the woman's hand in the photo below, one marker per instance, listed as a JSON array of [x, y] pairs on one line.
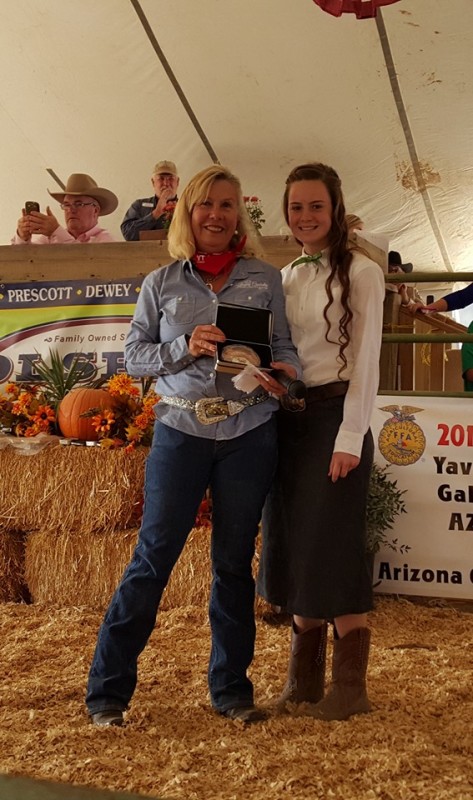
[[271, 384], [438, 305], [413, 308], [341, 464], [203, 340]]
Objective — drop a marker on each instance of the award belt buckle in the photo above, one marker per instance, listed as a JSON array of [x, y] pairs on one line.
[[215, 409], [211, 409]]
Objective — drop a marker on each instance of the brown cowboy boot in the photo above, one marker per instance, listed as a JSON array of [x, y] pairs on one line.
[[347, 693], [306, 672]]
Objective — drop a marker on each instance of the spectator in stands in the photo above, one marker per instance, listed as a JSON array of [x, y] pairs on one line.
[[83, 202], [396, 265], [153, 213]]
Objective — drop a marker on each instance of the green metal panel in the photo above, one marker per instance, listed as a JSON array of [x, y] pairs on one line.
[[424, 393], [427, 337], [428, 277]]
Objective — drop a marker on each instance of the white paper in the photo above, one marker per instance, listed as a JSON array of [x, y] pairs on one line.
[[245, 381]]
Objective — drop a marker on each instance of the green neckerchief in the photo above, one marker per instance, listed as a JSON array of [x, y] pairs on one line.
[[307, 260]]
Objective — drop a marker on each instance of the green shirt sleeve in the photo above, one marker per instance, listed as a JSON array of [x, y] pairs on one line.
[[467, 360]]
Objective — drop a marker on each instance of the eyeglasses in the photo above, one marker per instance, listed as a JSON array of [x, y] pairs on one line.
[[77, 204]]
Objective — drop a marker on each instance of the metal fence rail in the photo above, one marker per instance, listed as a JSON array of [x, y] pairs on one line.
[[438, 337]]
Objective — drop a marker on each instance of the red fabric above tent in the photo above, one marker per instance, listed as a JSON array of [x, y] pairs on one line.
[[363, 9]]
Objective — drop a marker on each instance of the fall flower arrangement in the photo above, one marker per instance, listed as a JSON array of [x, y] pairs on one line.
[[168, 211], [254, 210], [28, 408], [33, 407], [129, 421], [25, 410]]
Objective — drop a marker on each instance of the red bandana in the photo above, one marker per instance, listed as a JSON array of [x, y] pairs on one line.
[[215, 263]]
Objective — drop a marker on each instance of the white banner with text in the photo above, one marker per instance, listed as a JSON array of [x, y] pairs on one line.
[[426, 443]]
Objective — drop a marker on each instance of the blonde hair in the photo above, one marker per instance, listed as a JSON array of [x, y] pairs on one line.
[[181, 242]]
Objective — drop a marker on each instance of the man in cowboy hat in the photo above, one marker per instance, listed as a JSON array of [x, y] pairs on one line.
[[395, 263], [153, 213], [83, 202], [409, 297]]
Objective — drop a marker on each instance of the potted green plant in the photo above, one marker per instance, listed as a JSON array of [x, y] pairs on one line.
[[57, 379], [385, 503]]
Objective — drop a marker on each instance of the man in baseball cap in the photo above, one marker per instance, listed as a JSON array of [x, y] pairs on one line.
[[153, 213]]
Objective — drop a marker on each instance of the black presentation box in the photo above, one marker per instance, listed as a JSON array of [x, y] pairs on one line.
[[247, 326]]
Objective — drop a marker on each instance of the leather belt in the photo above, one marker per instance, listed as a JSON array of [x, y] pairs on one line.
[[336, 389], [214, 409]]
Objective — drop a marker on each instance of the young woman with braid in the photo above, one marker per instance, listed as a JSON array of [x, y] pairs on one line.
[[313, 561]]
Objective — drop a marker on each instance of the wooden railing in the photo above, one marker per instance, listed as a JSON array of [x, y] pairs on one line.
[[405, 366], [110, 260], [417, 352]]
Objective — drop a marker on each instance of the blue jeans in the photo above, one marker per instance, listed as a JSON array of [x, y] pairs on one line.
[[179, 469]]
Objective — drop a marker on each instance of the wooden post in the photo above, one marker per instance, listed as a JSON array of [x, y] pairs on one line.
[[406, 353], [389, 352]]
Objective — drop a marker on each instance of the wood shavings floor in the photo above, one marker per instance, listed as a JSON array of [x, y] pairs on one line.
[[416, 744]]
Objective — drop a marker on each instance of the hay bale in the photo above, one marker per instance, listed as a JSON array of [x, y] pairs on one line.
[[13, 587], [80, 569], [189, 584], [83, 569], [76, 568], [63, 489]]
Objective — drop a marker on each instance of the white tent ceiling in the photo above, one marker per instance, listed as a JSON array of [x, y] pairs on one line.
[[109, 87]]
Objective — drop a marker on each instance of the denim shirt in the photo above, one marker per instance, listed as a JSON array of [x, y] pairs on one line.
[[139, 217], [172, 301]]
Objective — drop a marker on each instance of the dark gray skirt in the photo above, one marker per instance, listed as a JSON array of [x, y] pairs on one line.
[[313, 560]]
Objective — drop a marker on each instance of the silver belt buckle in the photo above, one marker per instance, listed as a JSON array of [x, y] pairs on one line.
[[209, 410]]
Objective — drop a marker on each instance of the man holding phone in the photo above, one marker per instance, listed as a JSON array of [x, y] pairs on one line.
[[82, 201]]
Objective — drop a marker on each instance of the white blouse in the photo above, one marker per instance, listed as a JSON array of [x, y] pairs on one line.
[[306, 298]]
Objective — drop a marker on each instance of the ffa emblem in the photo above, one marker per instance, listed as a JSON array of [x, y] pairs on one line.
[[401, 440]]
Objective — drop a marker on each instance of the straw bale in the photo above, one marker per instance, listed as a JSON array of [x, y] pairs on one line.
[[189, 584], [71, 488], [13, 588], [76, 568]]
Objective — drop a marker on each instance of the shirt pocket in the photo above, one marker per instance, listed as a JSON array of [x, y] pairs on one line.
[[179, 310], [258, 297]]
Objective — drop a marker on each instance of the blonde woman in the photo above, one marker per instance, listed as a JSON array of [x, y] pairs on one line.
[[200, 440]]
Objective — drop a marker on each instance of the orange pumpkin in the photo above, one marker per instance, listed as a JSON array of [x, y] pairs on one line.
[[76, 403]]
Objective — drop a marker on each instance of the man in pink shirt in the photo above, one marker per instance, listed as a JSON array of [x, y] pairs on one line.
[[83, 202]]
